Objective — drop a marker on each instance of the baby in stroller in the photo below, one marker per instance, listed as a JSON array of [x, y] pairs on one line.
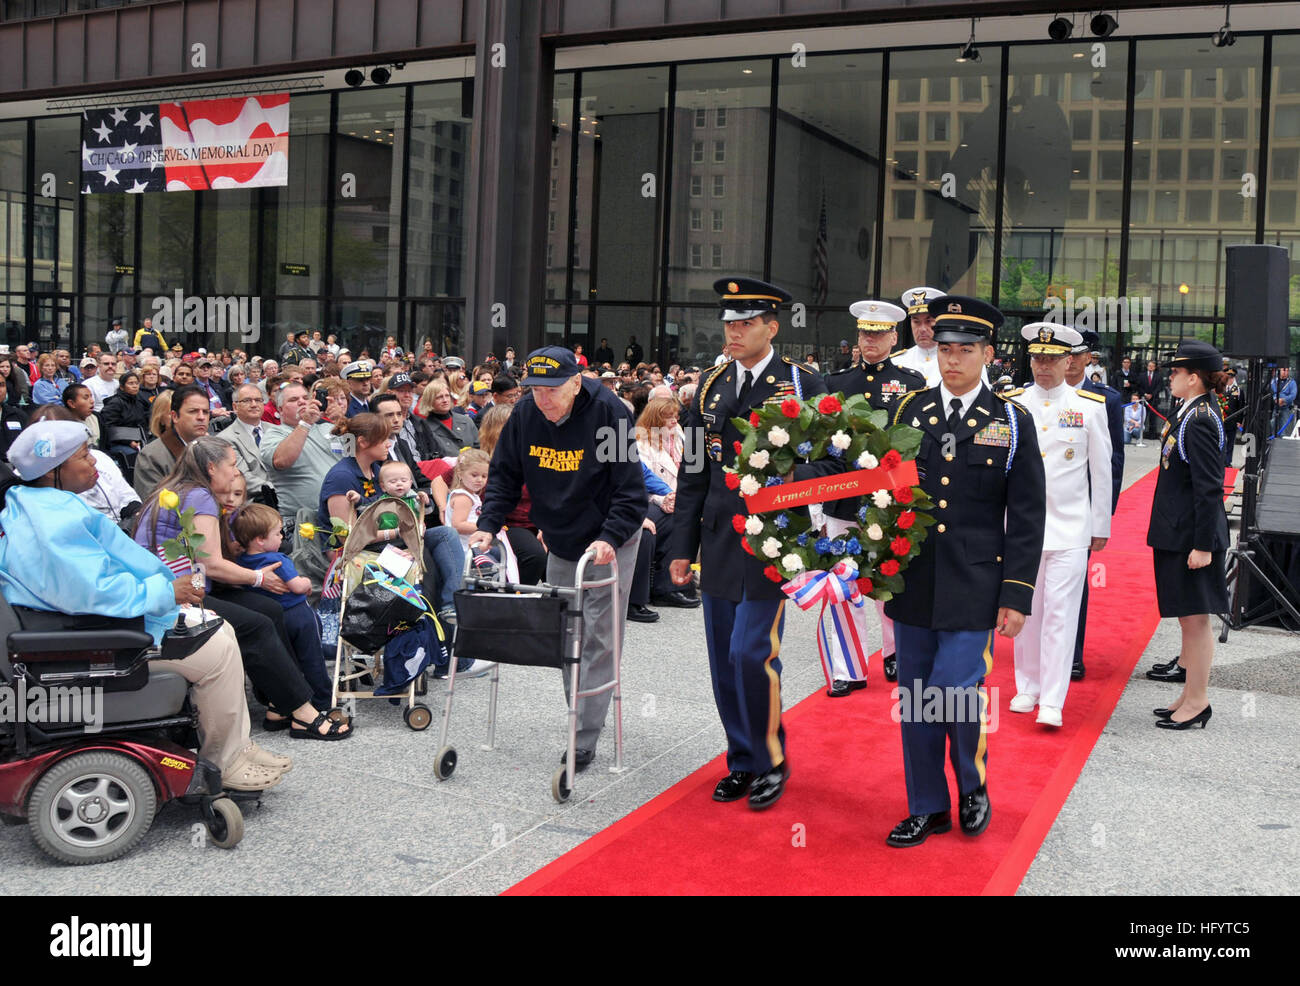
[[395, 483]]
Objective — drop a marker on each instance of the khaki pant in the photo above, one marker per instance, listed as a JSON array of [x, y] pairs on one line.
[[217, 674]]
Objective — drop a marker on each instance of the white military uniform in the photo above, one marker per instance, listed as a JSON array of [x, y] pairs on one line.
[[1075, 444]]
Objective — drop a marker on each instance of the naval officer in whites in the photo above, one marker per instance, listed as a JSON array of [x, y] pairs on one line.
[[1075, 447]]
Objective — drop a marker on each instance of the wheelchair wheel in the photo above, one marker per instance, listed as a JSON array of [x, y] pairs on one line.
[[445, 765], [418, 717], [560, 791], [92, 807], [226, 826]]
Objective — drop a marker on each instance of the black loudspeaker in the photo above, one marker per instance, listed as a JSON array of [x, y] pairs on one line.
[[1256, 302]]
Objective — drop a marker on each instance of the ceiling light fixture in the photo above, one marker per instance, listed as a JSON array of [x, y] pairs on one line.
[[969, 53], [1224, 36], [1103, 25]]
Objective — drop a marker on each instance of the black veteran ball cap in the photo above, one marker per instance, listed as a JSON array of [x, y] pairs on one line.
[[961, 319], [1193, 354], [549, 366], [744, 297]]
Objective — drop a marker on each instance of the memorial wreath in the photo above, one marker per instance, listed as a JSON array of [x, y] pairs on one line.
[[879, 465]]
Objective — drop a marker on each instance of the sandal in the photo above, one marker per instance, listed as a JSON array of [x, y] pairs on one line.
[[274, 725], [311, 730], [245, 774]]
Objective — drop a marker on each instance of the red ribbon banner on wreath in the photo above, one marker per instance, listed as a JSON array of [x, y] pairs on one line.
[[859, 482]]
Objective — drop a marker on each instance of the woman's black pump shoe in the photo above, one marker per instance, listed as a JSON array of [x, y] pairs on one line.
[[1197, 720]]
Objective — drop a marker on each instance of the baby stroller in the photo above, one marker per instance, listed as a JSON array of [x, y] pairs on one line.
[[355, 668], [90, 789]]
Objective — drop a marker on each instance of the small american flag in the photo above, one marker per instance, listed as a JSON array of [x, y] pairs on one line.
[[821, 269]]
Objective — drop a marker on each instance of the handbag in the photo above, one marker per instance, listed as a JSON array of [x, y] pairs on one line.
[[379, 607]]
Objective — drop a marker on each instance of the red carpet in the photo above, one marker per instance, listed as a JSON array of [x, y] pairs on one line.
[[827, 834]]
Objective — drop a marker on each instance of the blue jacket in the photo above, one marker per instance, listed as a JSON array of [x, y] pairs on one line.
[[1115, 425], [60, 555]]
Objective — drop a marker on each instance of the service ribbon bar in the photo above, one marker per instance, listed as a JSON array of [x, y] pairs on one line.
[[859, 482]]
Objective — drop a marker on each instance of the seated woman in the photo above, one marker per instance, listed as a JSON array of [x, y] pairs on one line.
[[47, 388], [64, 556], [204, 472], [111, 494], [126, 409]]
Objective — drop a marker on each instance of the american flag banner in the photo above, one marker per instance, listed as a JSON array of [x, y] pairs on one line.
[[201, 144], [821, 269]]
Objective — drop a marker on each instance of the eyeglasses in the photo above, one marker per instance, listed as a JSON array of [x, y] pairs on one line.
[[249, 400]]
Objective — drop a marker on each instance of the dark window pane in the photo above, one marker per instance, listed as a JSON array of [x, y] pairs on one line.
[[1201, 123], [1169, 165], [1200, 165], [1198, 207]]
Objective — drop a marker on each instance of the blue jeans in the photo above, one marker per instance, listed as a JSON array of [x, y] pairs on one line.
[[446, 566], [303, 627]]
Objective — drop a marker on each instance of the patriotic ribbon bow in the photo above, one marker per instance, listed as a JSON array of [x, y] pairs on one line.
[[839, 585]]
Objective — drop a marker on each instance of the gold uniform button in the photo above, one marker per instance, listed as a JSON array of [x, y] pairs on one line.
[[933, 420], [947, 458], [1043, 454], [944, 480], [870, 378], [988, 462], [942, 504], [999, 558], [941, 528]]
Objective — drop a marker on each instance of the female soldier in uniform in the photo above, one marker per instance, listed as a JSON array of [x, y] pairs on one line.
[[1189, 530]]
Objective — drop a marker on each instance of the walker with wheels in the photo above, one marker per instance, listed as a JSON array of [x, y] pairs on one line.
[[532, 626]]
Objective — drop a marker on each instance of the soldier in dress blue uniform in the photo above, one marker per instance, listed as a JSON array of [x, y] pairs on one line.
[[883, 383], [1076, 375], [1188, 533], [744, 611], [979, 459]]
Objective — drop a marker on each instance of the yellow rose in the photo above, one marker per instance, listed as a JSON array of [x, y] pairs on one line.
[[307, 531], [168, 500]]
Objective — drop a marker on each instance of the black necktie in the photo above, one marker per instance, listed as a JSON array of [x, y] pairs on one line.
[[954, 416], [746, 380]]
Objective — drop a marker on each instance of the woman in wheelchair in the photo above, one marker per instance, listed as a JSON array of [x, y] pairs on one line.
[[59, 555]]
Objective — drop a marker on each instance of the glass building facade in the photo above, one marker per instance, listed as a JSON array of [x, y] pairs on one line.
[[1101, 179]]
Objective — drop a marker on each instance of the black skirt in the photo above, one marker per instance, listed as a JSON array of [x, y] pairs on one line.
[[1181, 591]]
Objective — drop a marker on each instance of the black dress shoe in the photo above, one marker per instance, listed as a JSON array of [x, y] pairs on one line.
[[734, 786], [1200, 719], [840, 689], [1176, 676], [677, 599], [974, 811], [1167, 667], [891, 667], [915, 829], [768, 788], [1162, 713], [642, 614], [1077, 671], [581, 759]]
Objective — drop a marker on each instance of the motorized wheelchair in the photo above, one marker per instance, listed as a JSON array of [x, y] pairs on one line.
[[90, 791]]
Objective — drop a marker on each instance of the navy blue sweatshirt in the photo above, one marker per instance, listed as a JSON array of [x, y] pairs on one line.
[[576, 498]]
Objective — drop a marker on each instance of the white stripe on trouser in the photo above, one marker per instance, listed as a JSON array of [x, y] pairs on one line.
[[841, 667], [1044, 648], [597, 635]]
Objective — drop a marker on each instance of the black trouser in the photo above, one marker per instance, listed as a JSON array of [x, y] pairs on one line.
[[529, 553], [1154, 422], [652, 559], [258, 622]]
